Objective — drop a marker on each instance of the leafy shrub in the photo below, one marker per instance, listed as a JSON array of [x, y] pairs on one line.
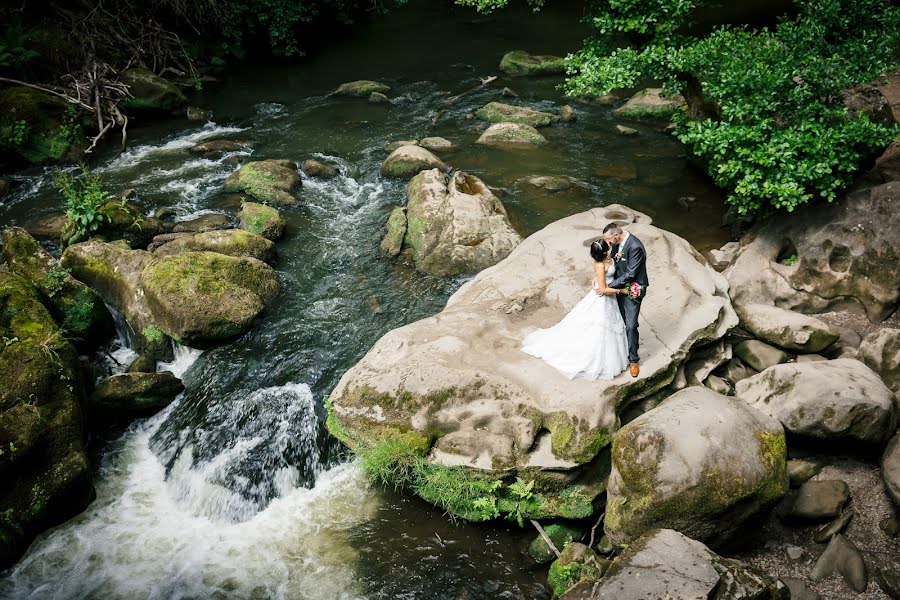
[[83, 197]]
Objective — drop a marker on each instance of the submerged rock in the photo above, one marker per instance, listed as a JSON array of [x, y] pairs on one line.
[[217, 148], [406, 161], [231, 242], [650, 103], [132, 395], [555, 183], [361, 89], [314, 168], [700, 462], [453, 228], [835, 399], [520, 63], [378, 98], [497, 112], [269, 181], [150, 91], [567, 114], [262, 220], [511, 135], [457, 387]]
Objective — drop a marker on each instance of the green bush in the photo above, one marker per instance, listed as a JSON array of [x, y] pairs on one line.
[[83, 197]]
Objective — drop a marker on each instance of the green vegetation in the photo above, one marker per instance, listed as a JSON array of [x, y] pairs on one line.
[[83, 196], [562, 577]]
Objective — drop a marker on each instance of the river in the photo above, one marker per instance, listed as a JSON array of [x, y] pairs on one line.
[[236, 490]]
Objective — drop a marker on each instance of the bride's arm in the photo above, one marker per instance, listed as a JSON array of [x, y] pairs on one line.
[[600, 273]]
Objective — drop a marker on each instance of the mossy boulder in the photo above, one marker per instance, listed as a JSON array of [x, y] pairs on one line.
[[406, 161], [651, 103], [122, 220], [560, 534], [392, 244], [202, 298], [361, 89], [514, 135], [576, 563], [497, 112], [45, 472], [231, 242], [203, 223], [46, 128], [262, 220], [555, 183], [77, 308], [149, 91], [130, 395], [269, 181], [700, 463], [520, 63], [315, 168]]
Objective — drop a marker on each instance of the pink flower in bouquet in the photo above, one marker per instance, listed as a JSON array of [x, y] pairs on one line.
[[634, 290]]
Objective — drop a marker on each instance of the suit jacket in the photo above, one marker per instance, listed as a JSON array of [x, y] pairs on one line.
[[633, 264]]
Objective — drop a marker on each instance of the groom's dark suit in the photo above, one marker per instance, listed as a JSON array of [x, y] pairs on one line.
[[630, 266]]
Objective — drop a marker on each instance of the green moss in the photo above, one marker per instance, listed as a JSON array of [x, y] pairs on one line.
[[661, 112], [361, 89], [497, 112], [562, 577], [519, 62], [153, 334], [560, 534], [572, 439]]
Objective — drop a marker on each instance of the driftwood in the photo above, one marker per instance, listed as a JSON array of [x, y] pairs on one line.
[[545, 537]]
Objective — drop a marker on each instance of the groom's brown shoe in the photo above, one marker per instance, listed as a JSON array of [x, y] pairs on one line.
[[634, 369]]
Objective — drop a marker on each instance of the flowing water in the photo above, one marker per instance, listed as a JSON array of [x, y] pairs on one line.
[[236, 490]]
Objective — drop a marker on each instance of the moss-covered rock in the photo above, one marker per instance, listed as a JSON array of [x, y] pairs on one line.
[[122, 220], [269, 181], [392, 243], [497, 112], [560, 534], [262, 220], [651, 103], [315, 168], [79, 310], [43, 466], [150, 91], [516, 135], [576, 562], [361, 89], [406, 161], [231, 242], [201, 298], [134, 394], [520, 62], [38, 127]]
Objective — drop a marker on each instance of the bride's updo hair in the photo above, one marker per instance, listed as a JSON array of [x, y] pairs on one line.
[[599, 250]]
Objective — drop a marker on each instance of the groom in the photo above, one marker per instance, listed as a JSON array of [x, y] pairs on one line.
[[631, 266]]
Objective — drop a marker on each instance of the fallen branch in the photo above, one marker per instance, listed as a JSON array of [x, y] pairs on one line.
[[594, 529], [546, 538], [41, 88]]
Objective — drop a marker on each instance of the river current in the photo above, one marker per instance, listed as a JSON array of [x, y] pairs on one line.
[[236, 490]]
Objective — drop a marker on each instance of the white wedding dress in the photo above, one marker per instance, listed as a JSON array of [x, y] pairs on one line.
[[589, 342]]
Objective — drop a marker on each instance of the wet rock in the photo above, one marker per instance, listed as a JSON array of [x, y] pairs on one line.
[[150, 91], [650, 103], [203, 223], [77, 308], [847, 257], [786, 329], [555, 183], [269, 181], [314, 168], [48, 139], [700, 463], [620, 171], [453, 228], [800, 471], [48, 227], [45, 471], [144, 363], [122, 220], [437, 144], [392, 244], [825, 534], [231, 242], [132, 395], [880, 351], [391, 146], [888, 577], [378, 98], [799, 589], [867, 99], [819, 500], [361, 89], [567, 114], [195, 113], [560, 534], [576, 563], [890, 469], [521, 63], [217, 148], [626, 131], [759, 355], [666, 564], [262, 220], [406, 161], [497, 112], [511, 135], [835, 399], [841, 556], [6, 186]]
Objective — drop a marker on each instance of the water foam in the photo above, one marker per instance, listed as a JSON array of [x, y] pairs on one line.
[[135, 156]]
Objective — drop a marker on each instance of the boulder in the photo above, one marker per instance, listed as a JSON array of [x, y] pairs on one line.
[[560, 534], [759, 355], [555, 183], [734, 370], [718, 385], [150, 91], [262, 220], [437, 144], [626, 131], [459, 385], [406, 161], [361, 89], [203, 223], [202, 298], [867, 99], [890, 469], [497, 112], [786, 329], [122, 220], [824, 535], [835, 399], [847, 257], [520, 63], [650, 103], [45, 471], [722, 258], [48, 227], [452, 228], [231, 242], [819, 501], [700, 462], [378, 98], [567, 114], [841, 556], [800, 471], [49, 135], [131, 395], [667, 564], [219, 147], [79, 310], [391, 146], [392, 244], [888, 164], [515, 135], [576, 562], [314, 168], [880, 351], [196, 113], [269, 181], [888, 576]]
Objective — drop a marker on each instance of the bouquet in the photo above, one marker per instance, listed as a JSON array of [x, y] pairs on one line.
[[636, 291]]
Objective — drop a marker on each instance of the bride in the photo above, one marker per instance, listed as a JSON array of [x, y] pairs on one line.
[[590, 341]]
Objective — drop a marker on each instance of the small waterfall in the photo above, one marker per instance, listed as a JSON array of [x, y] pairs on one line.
[[185, 356]]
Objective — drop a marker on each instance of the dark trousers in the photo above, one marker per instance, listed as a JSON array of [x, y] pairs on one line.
[[630, 310]]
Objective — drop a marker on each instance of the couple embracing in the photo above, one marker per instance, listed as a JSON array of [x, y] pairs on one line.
[[598, 339]]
